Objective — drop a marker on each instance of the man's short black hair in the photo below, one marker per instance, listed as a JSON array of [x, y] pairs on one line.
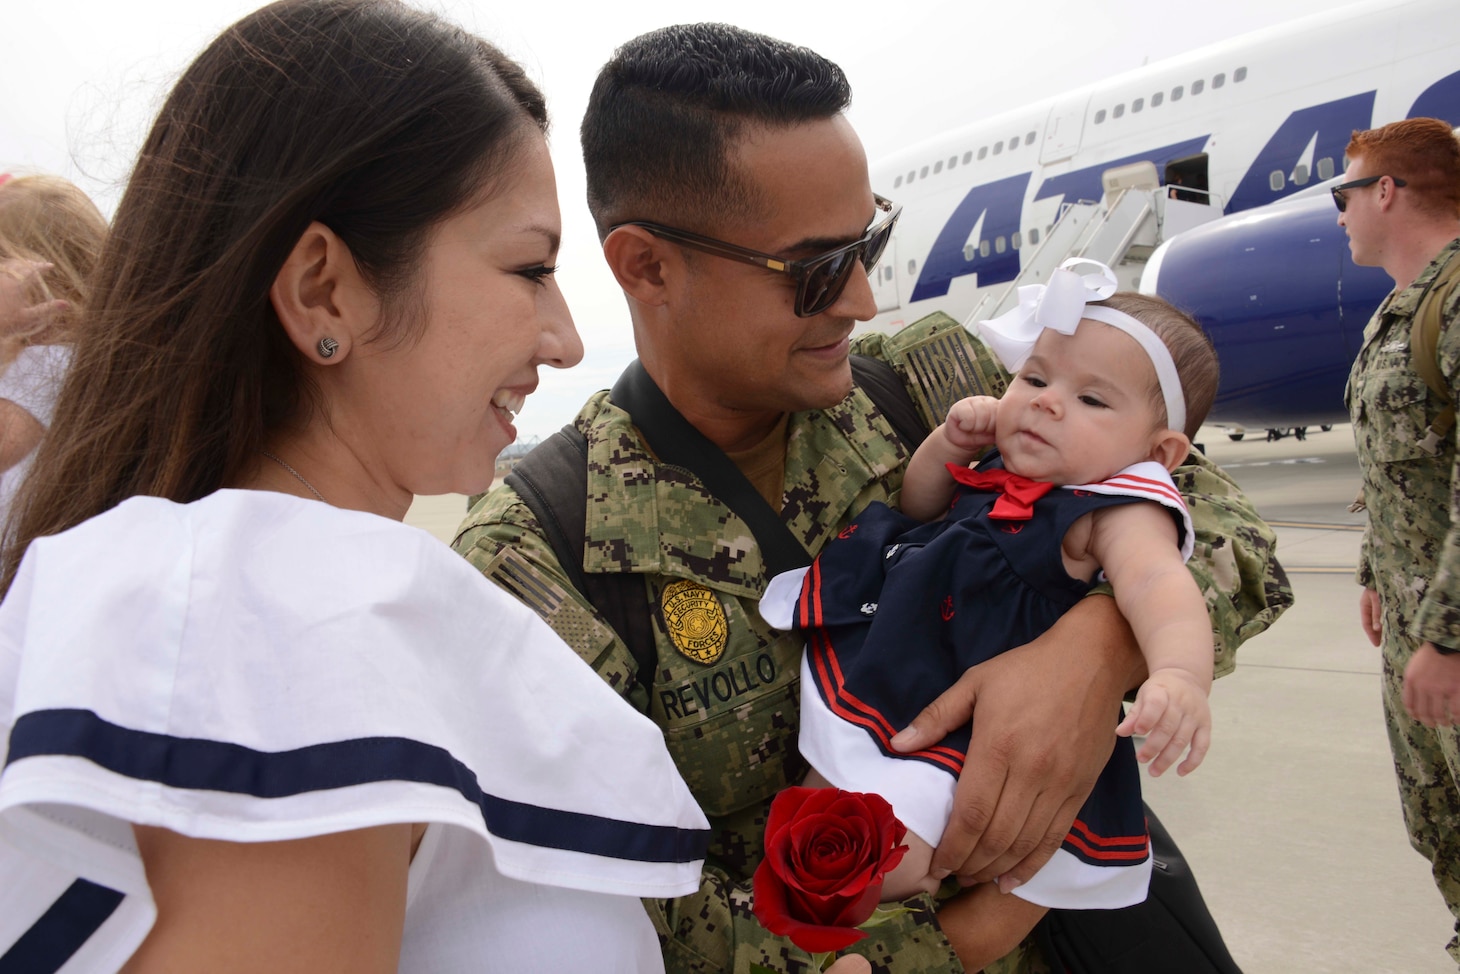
[[668, 104]]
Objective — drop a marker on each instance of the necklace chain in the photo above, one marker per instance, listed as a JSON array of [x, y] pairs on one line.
[[296, 474]]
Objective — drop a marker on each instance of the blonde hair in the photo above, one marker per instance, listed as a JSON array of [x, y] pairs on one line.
[[48, 219]]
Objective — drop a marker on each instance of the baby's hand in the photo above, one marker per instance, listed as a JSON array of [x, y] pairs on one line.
[[970, 423], [1171, 710], [23, 309]]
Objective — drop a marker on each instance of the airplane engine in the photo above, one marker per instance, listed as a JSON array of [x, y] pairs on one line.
[[1283, 302]]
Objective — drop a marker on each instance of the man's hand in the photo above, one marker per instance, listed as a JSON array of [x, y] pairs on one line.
[[1046, 715], [1371, 615], [1432, 687]]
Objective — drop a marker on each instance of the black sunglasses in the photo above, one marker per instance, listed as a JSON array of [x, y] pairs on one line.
[[1340, 201], [820, 280]]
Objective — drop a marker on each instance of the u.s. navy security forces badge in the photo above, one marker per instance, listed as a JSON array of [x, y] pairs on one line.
[[695, 619]]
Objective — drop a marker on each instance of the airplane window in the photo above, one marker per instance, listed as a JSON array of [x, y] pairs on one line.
[[938, 166], [912, 175], [897, 182], [1014, 143], [968, 251], [1277, 180], [1137, 105], [1197, 86], [1177, 92], [1100, 116], [1014, 240], [952, 161], [1029, 139], [1119, 110], [1239, 75], [1034, 235], [912, 267], [1325, 168], [998, 147], [1219, 80], [999, 244], [1300, 174], [887, 273], [983, 248], [983, 151], [1157, 98], [968, 157], [923, 173]]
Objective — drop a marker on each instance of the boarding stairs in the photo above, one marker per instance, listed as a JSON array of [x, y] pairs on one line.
[[1121, 230]]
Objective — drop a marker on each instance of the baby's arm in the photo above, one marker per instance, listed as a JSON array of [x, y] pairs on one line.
[[1136, 546], [968, 430]]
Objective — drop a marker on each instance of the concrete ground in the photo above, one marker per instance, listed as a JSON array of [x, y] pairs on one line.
[[1292, 824]]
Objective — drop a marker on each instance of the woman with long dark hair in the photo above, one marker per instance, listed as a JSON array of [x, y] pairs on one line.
[[252, 723]]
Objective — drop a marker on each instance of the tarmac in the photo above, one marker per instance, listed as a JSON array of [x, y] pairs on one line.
[[1292, 824]]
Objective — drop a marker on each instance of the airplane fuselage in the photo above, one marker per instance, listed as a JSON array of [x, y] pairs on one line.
[[1246, 123]]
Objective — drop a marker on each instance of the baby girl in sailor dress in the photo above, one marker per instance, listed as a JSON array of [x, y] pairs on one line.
[[982, 560]]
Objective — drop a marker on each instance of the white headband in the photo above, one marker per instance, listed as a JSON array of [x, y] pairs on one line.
[[1060, 305]]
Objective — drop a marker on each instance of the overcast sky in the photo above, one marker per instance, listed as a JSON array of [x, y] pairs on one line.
[[81, 79]]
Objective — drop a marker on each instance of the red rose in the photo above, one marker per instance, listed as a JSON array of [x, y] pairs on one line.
[[826, 853]]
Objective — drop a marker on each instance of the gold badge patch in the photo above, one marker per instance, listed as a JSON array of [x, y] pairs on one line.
[[696, 620]]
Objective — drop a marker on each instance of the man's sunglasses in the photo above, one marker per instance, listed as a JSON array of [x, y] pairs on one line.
[[1341, 201], [820, 280]]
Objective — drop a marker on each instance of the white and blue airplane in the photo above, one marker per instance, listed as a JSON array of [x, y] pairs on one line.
[[1202, 178]]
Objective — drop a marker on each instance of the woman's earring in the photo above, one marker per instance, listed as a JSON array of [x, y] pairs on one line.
[[327, 347]]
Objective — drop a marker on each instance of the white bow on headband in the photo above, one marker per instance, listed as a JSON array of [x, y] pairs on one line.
[[1060, 305]]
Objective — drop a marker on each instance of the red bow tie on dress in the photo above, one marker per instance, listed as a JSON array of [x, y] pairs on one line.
[[1019, 493]]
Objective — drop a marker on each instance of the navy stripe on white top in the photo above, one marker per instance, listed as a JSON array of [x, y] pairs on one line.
[[191, 763]]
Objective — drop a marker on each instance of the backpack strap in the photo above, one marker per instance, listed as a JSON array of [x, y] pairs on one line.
[[676, 442], [1424, 340], [889, 394], [552, 481]]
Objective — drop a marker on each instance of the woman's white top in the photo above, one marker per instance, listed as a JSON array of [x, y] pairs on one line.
[[33, 382], [257, 667]]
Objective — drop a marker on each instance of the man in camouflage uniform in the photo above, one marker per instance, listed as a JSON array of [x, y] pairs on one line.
[[738, 137], [1400, 204]]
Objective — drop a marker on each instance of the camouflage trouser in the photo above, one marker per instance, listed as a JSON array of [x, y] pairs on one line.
[[1427, 763]]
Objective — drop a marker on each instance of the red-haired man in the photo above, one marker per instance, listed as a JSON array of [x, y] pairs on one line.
[[1400, 205]]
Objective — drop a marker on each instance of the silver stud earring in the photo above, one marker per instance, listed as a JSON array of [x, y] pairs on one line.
[[327, 347]]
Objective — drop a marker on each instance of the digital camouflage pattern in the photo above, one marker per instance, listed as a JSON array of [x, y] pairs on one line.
[[726, 689], [1411, 555]]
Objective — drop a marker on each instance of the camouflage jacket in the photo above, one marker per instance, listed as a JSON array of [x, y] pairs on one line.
[[726, 687], [1411, 552]]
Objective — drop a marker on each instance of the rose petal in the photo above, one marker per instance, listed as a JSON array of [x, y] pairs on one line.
[[827, 852], [771, 909]]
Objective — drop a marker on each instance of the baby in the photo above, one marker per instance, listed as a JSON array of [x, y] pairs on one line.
[[1106, 396]]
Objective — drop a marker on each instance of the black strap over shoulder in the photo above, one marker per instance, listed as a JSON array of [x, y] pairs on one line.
[[679, 444], [888, 392], [552, 481]]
